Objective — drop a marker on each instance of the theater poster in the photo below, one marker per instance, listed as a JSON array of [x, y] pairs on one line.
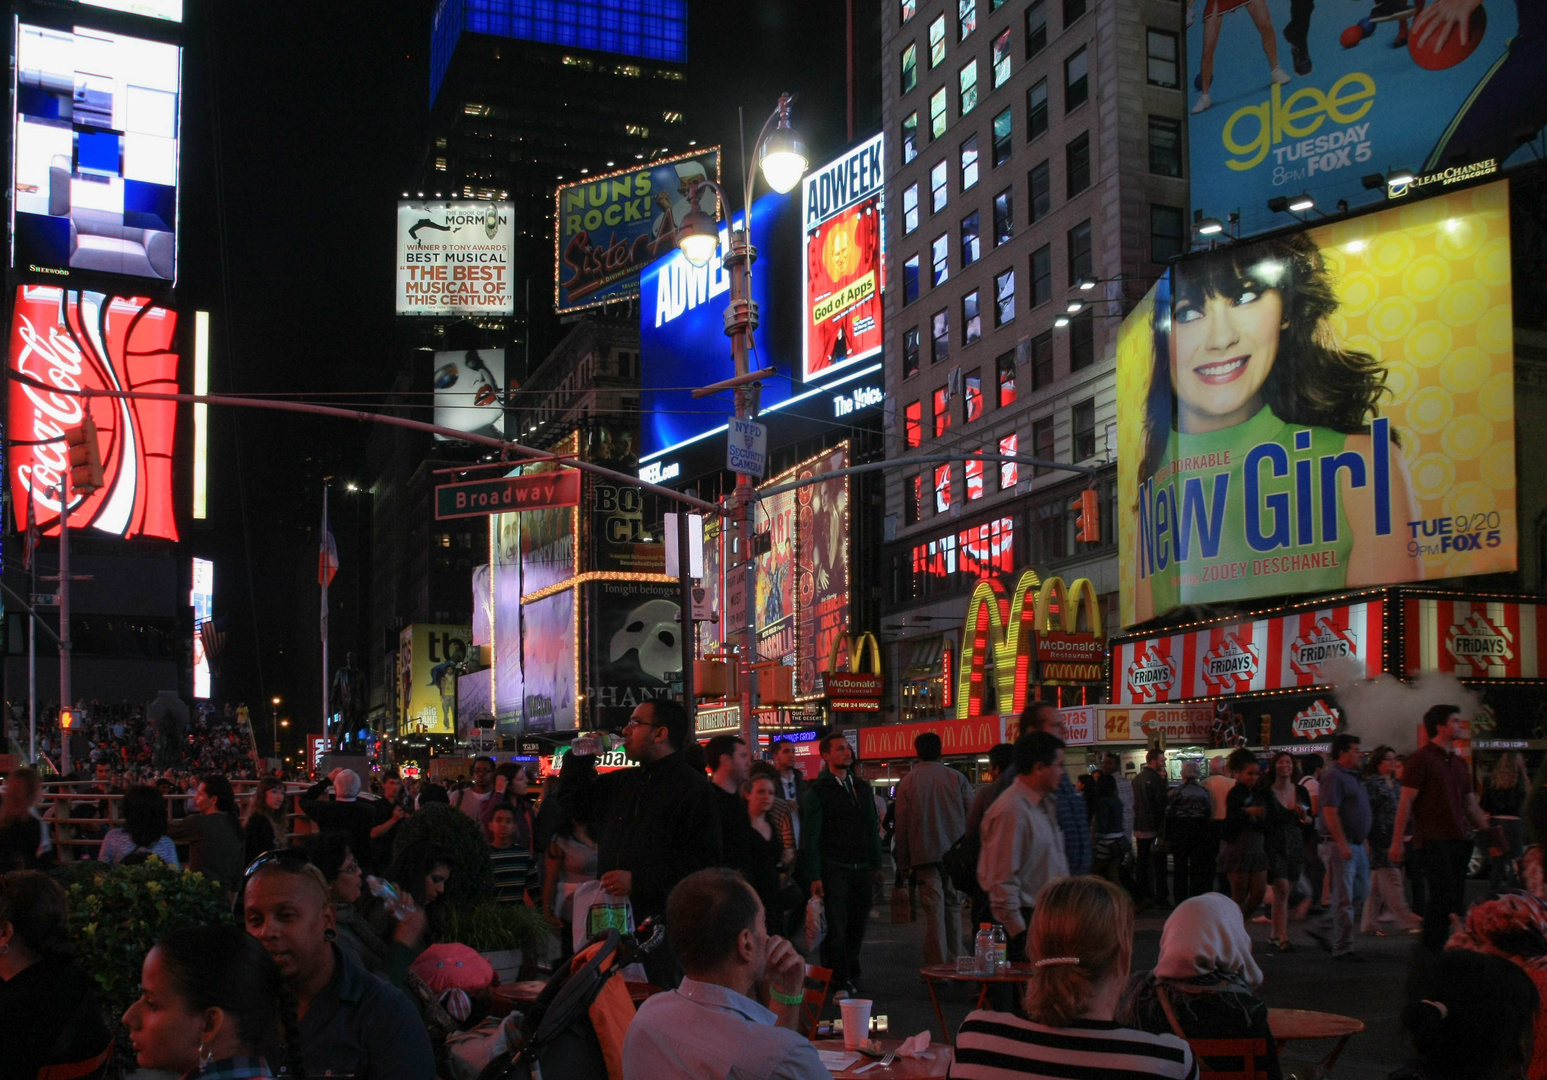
[[1324, 410]]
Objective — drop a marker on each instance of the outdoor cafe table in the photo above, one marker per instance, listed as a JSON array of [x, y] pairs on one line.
[[900, 1069], [933, 973], [1295, 1024]]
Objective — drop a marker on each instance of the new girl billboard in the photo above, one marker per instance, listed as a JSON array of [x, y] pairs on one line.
[[1324, 410]]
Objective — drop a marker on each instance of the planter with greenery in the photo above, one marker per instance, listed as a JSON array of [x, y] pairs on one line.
[[508, 935], [118, 913]]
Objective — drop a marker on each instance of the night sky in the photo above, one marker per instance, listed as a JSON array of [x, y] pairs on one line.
[[304, 122]]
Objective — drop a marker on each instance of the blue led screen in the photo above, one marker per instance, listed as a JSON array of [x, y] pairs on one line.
[[682, 342], [652, 29]]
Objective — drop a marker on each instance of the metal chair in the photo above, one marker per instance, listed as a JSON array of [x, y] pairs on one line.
[[818, 981]]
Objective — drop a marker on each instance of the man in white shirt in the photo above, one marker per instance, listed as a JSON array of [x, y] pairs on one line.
[[712, 1026], [1023, 847], [473, 801]]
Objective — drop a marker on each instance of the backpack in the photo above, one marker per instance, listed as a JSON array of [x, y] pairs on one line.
[[960, 863]]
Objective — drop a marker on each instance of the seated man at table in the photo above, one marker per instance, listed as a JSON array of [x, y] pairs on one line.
[[712, 1026]]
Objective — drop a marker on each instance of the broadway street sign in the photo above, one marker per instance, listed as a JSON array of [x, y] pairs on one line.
[[542, 491]]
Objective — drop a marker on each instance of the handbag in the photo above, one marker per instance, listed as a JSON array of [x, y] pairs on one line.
[[960, 863]]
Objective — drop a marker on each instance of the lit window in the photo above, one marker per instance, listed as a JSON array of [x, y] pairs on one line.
[[937, 114], [972, 318], [910, 67], [968, 78], [910, 137], [937, 41], [942, 488], [1001, 51], [937, 188], [1004, 298], [1005, 368], [1009, 471], [940, 259], [972, 397], [973, 470], [906, 10], [473, 109], [966, 17], [969, 162], [940, 337], [671, 117], [972, 245], [910, 280], [910, 351], [913, 423], [1002, 130], [910, 208], [942, 411]]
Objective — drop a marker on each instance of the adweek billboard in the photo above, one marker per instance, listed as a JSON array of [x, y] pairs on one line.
[[454, 258], [1328, 409], [610, 227], [682, 342], [428, 656], [67, 339], [843, 264], [470, 391], [1456, 86]]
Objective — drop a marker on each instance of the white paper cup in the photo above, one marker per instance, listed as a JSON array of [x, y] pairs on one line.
[[856, 1021]]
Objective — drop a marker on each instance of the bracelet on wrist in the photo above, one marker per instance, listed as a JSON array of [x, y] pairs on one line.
[[786, 999]]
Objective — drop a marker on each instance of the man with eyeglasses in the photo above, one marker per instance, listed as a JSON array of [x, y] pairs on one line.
[[655, 823]]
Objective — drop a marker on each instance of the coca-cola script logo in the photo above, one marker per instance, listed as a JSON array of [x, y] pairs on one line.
[[1319, 719], [1480, 643], [1308, 652], [1231, 664], [1152, 675], [66, 340]]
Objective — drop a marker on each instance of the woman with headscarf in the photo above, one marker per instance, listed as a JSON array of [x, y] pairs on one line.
[[1513, 926], [1203, 984]]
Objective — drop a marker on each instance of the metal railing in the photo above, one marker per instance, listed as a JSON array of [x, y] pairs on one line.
[[71, 829]]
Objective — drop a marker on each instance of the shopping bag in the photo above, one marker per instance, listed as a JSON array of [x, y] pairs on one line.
[[596, 911]]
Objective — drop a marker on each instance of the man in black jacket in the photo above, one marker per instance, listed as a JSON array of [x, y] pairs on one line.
[[841, 848], [654, 824], [345, 813], [1150, 789]]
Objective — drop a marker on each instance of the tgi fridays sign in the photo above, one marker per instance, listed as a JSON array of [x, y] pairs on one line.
[[1272, 653], [1475, 639], [1315, 721]]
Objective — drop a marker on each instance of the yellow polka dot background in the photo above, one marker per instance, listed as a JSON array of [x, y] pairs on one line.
[[1425, 288]]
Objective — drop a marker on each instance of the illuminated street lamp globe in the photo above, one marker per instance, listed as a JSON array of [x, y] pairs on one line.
[[783, 158], [698, 236]]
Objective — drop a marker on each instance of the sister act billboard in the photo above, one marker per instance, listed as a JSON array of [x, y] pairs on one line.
[[1322, 410]]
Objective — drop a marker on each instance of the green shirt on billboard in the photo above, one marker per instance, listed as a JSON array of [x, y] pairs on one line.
[[1220, 563]]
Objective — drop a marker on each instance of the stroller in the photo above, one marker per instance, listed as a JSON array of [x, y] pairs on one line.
[[559, 1039]]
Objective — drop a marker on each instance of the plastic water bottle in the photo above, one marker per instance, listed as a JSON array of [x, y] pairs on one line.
[[1001, 950], [400, 904], [983, 949]]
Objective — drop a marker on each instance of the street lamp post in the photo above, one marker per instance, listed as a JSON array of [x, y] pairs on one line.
[[782, 155], [274, 722]]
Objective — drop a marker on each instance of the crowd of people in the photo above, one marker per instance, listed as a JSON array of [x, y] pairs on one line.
[[143, 740], [345, 911]]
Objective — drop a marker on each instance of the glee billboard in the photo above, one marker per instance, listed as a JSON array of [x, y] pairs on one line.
[[842, 223], [1320, 411], [1447, 91]]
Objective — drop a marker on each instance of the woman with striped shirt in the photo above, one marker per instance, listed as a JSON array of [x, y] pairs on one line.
[[1081, 941]]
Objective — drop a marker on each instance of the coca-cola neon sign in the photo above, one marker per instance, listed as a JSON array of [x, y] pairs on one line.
[[65, 340]]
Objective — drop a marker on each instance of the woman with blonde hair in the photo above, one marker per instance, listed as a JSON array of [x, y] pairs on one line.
[[1504, 800], [1081, 945]]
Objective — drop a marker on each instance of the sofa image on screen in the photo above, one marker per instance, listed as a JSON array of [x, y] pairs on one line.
[[134, 241]]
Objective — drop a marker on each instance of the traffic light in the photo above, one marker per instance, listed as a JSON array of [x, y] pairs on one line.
[[85, 457], [66, 719], [1087, 526]]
